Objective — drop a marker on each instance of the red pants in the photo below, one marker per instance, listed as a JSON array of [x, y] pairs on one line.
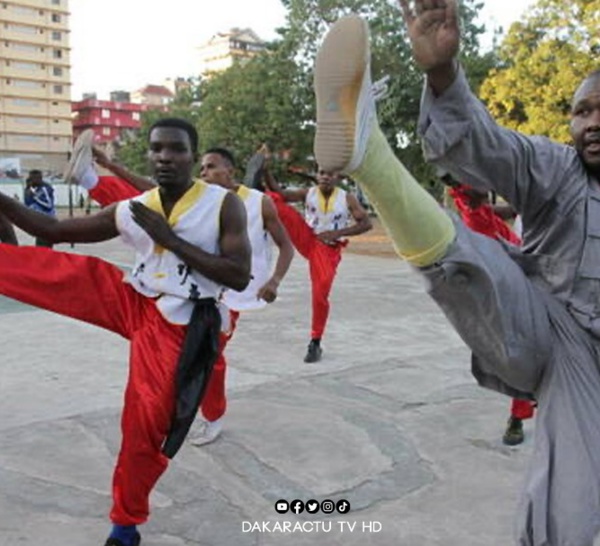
[[93, 291], [111, 189], [214, 402], [323, 261], [522, 409]]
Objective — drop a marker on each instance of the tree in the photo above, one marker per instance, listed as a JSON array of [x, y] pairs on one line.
[[307, 22], [262, 100], [542, 60], [270, 97]]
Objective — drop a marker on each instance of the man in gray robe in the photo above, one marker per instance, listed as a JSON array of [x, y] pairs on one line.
[[530, 316]]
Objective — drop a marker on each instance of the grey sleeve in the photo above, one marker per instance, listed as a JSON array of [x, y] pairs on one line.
[[460, 136]]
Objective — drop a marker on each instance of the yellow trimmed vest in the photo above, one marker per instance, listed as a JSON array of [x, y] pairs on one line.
[[326, 215], [160, 274], [261, 244]]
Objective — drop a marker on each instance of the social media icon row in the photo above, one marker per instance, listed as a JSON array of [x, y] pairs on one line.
[[312, 506]]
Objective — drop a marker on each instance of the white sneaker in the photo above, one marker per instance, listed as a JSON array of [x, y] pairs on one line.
[[81, 157], [209, 432], [345, 102]]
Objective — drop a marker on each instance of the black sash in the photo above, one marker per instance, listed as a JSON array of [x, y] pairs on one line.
[[198, 355]]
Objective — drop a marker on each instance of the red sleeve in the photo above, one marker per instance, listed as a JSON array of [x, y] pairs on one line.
[[111, 189], [482, 219]]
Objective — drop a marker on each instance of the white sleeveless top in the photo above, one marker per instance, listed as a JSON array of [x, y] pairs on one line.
[[262, 254], [322, 215], [158, 273]]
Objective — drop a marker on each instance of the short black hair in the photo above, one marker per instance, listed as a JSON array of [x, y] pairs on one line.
[[36, 172], [224, 153], [178, 123]]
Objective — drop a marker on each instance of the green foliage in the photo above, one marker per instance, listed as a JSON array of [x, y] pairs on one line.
[[270, 98], [262, 100], [543, 60]]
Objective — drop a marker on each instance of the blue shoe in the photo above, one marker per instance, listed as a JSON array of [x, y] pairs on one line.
[[116, 542]]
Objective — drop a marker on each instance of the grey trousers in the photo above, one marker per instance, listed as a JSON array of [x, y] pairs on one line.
[[524, 341]]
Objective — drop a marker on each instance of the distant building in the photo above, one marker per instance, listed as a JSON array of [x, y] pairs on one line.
[[226, 48], [108, 119], [120, 96], [154, 95], [176, 85], [35, 83]]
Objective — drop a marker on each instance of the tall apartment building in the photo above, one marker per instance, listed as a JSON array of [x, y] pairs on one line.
[[226, 48], [35, 86]]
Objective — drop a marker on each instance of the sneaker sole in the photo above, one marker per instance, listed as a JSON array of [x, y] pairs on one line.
[[84, 140], [339, 68]]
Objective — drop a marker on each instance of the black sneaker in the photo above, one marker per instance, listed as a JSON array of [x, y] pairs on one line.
[[513, 435], [314, 352], [116, 542]]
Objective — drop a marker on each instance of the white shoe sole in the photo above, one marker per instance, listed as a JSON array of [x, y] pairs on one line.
[[340, 68], [83, 146]]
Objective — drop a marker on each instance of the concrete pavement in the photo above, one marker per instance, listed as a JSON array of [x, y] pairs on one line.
[[390, 420]]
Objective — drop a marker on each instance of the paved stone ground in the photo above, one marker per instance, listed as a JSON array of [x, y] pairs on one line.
[[390, 420]]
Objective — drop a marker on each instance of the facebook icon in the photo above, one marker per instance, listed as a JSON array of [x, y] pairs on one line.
[[297, 506]]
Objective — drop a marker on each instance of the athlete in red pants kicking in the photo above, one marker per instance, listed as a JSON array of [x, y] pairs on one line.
[[478, 214], [264, 229], [320, 237], [190, 240]]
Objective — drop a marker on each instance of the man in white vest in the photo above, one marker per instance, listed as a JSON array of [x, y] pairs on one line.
[[191, 241], [331, 215], [264, 229]]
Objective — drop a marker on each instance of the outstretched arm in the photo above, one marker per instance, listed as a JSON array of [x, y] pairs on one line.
[[435, 36], [88, 229], [458, 132], [274, 186], [275, 228], [231, 267], [138, 182], [7, 232]]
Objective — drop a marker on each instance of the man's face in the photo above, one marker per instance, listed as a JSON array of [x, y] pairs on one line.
[[585, 123], [171, 157], [35, 178], [215, 169], [327, 180]]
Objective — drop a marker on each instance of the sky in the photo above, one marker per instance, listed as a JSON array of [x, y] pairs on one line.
[[126, 44]]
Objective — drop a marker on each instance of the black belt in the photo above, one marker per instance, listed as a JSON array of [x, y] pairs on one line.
[[199, 352]]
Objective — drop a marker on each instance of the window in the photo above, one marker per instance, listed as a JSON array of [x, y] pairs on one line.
[[135, 116], [56, 2], [28, 121], [26, 102], [27, 83], [57, 71], [105, 113], [56, 35], [23, 10], [58, 89], [56, 18], [29, 138], [26, 66], [106, 131], [24, 47], [23, 29], [57, 53]]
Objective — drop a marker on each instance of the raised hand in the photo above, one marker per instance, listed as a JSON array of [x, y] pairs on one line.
[[153, 223], [433, 31]]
